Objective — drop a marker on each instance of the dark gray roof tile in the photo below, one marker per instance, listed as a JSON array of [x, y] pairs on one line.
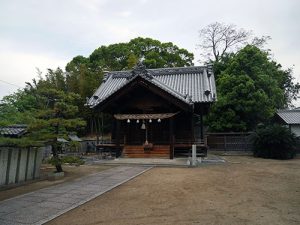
[[13, 130], [190, 84], [290, 116]]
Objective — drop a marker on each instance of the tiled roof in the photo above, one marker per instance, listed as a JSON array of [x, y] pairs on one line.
[[190, 84], [290, 116], [74, 137], [62, 140], [13, 130]]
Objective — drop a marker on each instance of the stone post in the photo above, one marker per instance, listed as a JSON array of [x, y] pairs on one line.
[[194, 155]]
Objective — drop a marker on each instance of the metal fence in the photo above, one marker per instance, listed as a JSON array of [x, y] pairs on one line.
[[19, 164], [230, 141]]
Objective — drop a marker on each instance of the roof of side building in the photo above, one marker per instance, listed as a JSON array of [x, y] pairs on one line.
[[290, 116], [16, 130]]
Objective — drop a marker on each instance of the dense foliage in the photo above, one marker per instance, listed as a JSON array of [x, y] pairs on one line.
[[250, 87], [16, 108], [83, 72], [274, 141], [153, 53]]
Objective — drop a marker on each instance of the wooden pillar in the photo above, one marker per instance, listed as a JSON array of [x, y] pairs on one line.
[[192, 128], [126, 132], [201, 125], [118, 136], [113, 130], [171, 138]]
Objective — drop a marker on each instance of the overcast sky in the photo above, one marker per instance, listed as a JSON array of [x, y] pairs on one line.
[[49, 33]]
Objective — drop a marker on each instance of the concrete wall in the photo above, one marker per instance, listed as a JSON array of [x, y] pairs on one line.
[[3, 165], [19, 164]]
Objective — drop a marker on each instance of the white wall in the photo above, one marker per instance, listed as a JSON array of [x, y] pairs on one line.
[[296, 129]]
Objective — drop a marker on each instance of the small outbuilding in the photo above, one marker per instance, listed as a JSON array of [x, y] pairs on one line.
[[18, 164], [13, 131], [156, 112], [291, 118]]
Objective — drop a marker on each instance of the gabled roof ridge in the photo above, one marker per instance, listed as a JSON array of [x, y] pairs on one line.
[[181, 67], [296, 110], [159, 71], [163, 68]]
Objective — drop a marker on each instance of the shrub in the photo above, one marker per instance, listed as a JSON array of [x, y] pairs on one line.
[[66, 159], [53, 161], [275, 142], [72, 160]]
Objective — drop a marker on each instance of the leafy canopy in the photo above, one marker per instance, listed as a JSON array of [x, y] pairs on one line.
[[250, 88]]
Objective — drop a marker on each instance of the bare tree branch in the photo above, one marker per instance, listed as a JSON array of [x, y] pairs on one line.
[[218, 39]]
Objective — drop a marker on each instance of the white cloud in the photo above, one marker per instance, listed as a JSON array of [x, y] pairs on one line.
[[19, 67], [49, 33], [125, 13]]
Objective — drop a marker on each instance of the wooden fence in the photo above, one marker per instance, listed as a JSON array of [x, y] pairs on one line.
[[230, 141], [19, 164]]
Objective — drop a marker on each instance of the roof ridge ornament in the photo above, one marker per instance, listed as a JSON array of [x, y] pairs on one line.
[[140, 70], [210, 68], [188, 98]]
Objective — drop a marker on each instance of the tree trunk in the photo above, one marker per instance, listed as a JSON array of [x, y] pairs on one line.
[[55, 152], [56, 158], [59, 168]]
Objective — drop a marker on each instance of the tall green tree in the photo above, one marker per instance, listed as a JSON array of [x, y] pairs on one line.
[[250, 88], [17, 108], [153, 53]]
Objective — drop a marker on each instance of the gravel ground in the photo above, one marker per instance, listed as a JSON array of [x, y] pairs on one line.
[[242, 191]]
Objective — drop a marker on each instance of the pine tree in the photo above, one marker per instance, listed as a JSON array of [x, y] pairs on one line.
[[55, 117]]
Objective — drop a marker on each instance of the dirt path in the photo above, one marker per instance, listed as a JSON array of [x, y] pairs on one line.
[[243, 191]]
